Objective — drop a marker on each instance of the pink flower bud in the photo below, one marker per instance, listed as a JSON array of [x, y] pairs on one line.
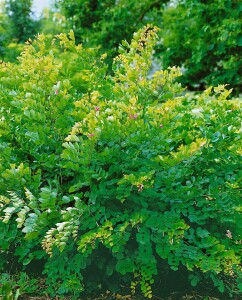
[[56, 92], [161, 125], [135, 116], [97, 108], [229, 234], [90, 135]]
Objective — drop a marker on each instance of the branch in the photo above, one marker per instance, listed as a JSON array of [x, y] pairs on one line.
[[152, 5]]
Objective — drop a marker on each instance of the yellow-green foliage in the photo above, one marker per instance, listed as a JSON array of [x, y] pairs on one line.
[[122, 167]]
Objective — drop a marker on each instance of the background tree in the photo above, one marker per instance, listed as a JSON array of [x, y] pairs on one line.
[[3, 32], [107, 22], [205, 37], [21, 19]]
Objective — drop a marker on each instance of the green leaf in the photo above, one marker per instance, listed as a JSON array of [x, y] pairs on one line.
[[7, 292]]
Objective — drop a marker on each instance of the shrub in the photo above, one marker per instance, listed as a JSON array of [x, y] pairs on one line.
[[122, 165], [12, 287]]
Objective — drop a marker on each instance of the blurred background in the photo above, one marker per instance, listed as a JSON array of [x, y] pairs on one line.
[[39, 5], [204, 38]]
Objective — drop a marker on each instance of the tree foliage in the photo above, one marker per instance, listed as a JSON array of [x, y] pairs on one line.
[[22, 24], [205, 37], [106, 23], [120, 172], [17, 25], [3, 32]]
